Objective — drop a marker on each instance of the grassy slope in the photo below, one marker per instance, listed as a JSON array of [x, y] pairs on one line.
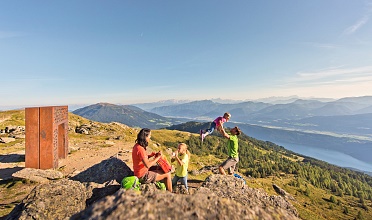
[[316, 205]]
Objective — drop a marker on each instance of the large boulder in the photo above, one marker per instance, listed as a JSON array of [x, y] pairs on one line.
[[104, 178], [37, 175], [228, 186], [109, 170], [218, 199], [55, 200]]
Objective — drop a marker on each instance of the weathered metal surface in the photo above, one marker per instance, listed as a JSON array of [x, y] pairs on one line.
[[32, 138], [46, 136]]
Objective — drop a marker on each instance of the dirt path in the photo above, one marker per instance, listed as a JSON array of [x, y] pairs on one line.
[[82, 156], [86, 157], [78, 160], [11, 163]]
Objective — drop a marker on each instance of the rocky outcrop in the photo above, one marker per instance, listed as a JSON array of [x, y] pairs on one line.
[[203, 204], [55, 200], [204, 169], [111, 169], [282, 192], [227, 186], [103, 178], [13, 132], [37, 175], [98, 188]]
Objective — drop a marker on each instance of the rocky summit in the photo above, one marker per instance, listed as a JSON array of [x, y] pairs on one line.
[[96, 194]]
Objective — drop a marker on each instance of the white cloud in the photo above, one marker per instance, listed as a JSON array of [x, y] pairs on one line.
[[331, 75], [361, 22], [357, 25], [333, 82]]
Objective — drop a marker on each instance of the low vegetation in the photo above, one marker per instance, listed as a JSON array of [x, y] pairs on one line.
[[321, 190], [311, 181]]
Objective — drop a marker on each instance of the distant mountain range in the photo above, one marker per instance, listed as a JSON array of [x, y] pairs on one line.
[[126, 114], [352, 116], [343, 125], [298, 108], [270, 100], [346, 115], [359, 149]]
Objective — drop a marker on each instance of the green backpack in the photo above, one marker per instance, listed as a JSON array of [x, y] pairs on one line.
[[131, 182], [160, 186]]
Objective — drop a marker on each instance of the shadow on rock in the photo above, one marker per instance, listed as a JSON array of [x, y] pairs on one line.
[[100, 192], [55, 200], [12, 158], [7, 173], [62, 198], [103, 179], [112, 169]]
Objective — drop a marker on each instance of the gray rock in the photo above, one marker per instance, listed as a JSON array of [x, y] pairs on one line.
[[106, 171], [129, 204], [282, 192], [103, 178], [37, 175], [228, 186], [220, 197], [56, 200], [180, 189]]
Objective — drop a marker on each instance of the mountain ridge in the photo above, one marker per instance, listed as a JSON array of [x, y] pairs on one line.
[[264, 161], [294, 122], [126, 114]]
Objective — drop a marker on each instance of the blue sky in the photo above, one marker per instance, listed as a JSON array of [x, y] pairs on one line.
[[125, 52]]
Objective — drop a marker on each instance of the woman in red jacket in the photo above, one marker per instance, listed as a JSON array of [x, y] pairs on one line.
[[142, 164]]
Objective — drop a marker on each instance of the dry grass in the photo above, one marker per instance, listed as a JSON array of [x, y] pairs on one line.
[[12, 193], [314, 206]]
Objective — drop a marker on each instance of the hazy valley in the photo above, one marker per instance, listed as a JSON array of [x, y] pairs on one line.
[[343, 125], [318, 190]]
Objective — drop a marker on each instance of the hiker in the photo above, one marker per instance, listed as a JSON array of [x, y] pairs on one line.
[[216, 124], [142, 164], [182, 156], [232, 147]]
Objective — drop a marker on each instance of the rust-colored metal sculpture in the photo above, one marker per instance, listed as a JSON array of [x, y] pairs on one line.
[[46, 136]]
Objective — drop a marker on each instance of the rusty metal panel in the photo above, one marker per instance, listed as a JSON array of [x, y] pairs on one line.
[[32, 138], [66, 137], [61, 120], [47, 136], [62, 149]]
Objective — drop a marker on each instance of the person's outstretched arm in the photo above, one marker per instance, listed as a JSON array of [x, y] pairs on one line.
[[226, 135]]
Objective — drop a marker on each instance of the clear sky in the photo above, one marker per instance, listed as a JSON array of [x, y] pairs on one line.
[[124, 52]]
